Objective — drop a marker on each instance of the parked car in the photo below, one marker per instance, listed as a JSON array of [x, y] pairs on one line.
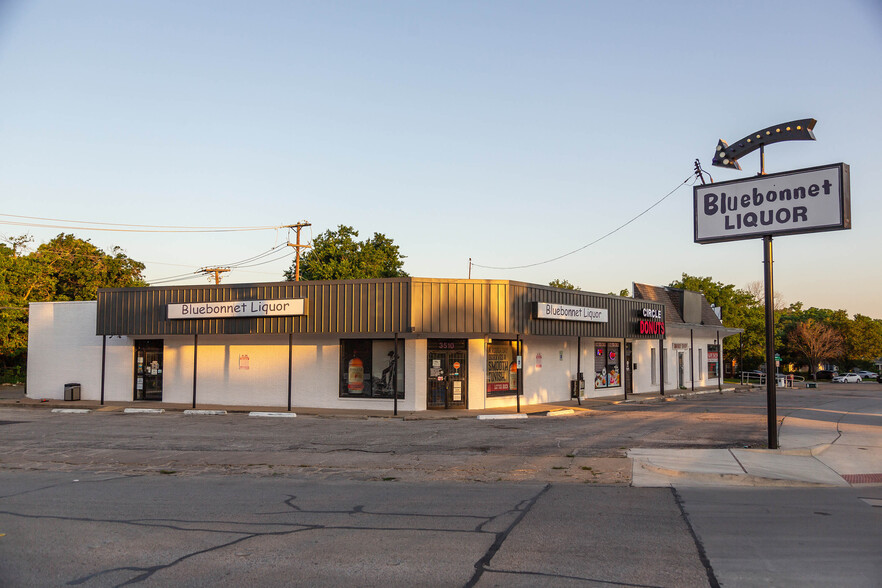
[[826, 374], [849, 378], [866, 375]]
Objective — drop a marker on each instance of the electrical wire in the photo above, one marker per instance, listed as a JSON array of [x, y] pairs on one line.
[[77, 224], [583, 247]]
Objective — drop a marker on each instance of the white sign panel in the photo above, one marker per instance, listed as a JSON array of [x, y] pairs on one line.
[[800, 201], [563, 312], [237, 309]]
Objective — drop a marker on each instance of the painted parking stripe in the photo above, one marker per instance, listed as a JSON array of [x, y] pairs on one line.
[[490, 417], [72, 410], [144, 410], [273, 414], [205, 412]]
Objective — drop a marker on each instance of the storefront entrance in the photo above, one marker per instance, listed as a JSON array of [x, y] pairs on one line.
[[629, 369], [447, 385], [148, 369]]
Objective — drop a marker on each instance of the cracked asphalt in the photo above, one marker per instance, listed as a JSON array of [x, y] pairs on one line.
[[113, 499]]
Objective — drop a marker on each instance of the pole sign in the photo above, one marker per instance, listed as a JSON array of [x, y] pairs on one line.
[[799, 201]]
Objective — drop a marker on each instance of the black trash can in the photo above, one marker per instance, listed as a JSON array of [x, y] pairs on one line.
[[71, 391]]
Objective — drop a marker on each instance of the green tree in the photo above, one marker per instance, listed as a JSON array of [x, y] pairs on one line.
[[740, 310], [563, 284], [80, 268], [66, 268], [864, 339], [337, 255]]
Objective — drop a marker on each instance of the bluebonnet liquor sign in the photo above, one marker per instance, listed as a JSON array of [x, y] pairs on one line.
[[799, 201]]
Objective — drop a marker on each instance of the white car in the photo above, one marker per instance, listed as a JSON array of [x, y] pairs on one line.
[[865, 375], [849, 378]]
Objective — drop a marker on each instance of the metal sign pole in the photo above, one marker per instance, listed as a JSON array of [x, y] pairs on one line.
[[771, 369]]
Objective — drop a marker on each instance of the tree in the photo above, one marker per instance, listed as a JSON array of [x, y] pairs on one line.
[[816, 342], [740, 310], [865, 339], [563, 284], [337, 255], [80, 268], [66, 268]]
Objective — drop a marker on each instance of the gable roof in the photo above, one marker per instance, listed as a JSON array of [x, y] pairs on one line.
[[681, 306]]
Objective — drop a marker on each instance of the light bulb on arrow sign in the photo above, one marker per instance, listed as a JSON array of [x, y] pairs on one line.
[[798, 130]]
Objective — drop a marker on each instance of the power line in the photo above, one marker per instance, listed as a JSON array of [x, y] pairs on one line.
[[616, 230], [86, 225]]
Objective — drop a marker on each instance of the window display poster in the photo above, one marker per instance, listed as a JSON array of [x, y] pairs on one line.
[[371, 369], [713, 361], [502, 370], [386, 374], [607, 365], [356, 365]]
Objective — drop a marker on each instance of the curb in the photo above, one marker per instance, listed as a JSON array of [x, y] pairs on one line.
[[144, 411], [71, 410], [272, 414], [490, 417], [204, 412], [732, 479]]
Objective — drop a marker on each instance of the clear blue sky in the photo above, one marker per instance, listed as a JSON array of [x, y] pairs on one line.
[[508, 132]]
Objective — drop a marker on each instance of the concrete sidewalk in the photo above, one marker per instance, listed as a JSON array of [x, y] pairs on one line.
[[838, 444], [13, 397]]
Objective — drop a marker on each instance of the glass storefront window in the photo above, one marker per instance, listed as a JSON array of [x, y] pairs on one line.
[[368, 366], [502, 368], [713, 361], [607, 365]]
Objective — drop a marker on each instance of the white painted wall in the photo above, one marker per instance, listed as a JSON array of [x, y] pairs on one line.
[[63, 348], [551, 382], [477, 374]]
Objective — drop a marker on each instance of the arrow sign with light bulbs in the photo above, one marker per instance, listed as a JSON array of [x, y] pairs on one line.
[[798, 130]]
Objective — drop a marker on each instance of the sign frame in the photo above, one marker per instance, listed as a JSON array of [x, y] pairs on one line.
[[231, 309], [568, 312], [769, 183]]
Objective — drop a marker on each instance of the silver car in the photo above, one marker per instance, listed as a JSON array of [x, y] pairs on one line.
[[849, 378]]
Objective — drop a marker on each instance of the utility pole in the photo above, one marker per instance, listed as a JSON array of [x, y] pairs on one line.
[[298, 246], [217, 271]]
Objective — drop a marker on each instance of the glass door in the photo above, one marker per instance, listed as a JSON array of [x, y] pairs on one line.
[[148, 369], [447, 378]]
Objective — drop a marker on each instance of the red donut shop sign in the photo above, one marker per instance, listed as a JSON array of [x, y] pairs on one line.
[[652, 322]]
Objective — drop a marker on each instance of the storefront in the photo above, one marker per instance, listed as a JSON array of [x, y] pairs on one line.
[[419, 343]]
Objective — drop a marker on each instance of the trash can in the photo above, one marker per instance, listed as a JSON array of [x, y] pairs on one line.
[[72, 391]]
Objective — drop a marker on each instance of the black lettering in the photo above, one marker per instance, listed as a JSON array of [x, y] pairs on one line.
[[771, 196], [783, 215], [785, 194], [750, 219], [798, 193], [800, 213], [710, 204], [757, 197], [813, 190], [766, 220], [745, 200], [827, 185]]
